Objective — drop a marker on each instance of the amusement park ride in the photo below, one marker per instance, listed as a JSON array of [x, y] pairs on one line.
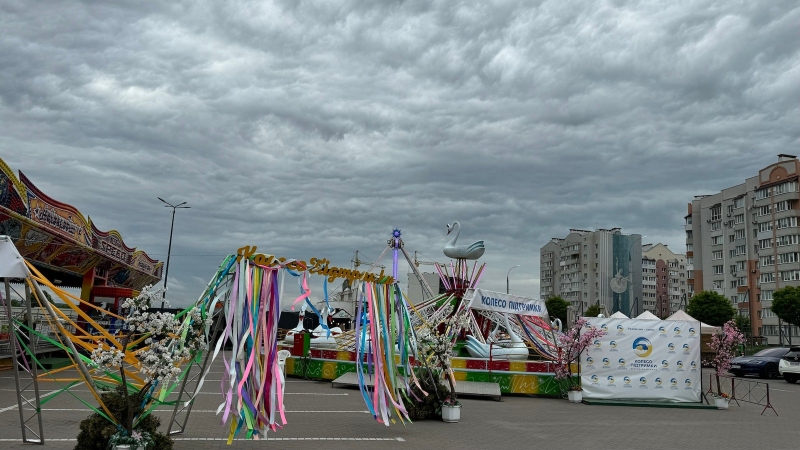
[[244, 300]]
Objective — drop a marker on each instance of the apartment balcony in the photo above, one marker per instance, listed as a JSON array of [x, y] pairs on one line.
[[787, 196]]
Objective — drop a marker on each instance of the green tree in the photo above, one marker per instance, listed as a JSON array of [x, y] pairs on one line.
[[592, 311], [557, 307], [786, 304], [743, 324], [711, 308]]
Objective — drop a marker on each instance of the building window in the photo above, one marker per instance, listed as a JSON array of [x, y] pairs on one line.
[[791, 239], [739, 218], [767, 277], [741, 249], [715, 226], [761, 194], [764, 226], [784, 205], [717, 270], [765, 243], [717, 284], [739, 234], [766, 295], [716, 212], [785, 258], [786, 222], [738, 203], [789, 186], [790, 275], [765, 210], [716, 240], [716, 255]]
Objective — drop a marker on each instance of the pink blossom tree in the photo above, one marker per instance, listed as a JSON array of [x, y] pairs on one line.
[[571, 345], [725, 344]]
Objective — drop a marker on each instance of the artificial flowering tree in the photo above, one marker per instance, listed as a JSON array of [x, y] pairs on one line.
[[724, 345], [438, 347], [570, 346], [158, 343]]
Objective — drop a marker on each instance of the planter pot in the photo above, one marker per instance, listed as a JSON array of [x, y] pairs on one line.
[[575, 396], [722, 403], [122, 447], [451, 414]]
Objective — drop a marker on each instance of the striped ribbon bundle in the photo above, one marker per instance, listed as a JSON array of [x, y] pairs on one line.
[[252, 382], [383, 321]]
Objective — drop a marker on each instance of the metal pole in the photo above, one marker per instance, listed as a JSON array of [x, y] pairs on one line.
[[169, 251], [507, 274], [13, 341], [33, 372]]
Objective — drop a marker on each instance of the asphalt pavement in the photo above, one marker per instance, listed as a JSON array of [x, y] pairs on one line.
[[320, 416]]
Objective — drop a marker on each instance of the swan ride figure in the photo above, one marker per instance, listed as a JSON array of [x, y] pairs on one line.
[[471, 251]]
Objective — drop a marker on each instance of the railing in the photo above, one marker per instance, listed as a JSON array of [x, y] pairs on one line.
[[740, 389]]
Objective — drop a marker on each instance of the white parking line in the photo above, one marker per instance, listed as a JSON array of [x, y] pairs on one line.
[[399, 439], [202, 393], [45, 395], [194, 410]]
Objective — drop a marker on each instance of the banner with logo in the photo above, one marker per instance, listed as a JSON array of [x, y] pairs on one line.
[[504, 303], [643, 360]]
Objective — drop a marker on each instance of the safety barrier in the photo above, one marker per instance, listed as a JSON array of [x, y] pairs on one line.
[[742, 389]]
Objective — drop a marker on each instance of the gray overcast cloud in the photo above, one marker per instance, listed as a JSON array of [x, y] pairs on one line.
[[313, 128]]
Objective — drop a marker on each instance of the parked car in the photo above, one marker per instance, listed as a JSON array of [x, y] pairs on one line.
[[764, 363], [789, 365]]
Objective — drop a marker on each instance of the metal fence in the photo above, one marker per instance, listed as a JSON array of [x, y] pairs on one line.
[[741, 390], [37, 343]]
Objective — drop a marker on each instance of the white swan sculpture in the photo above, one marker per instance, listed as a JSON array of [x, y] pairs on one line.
[[472, 251], [514, 348], [319, 337]]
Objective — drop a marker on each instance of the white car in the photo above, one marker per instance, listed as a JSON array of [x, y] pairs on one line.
[[789, 366]]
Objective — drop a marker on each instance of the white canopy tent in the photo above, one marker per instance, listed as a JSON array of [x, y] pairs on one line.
[[618, 315], [704, 328], [647, 315]]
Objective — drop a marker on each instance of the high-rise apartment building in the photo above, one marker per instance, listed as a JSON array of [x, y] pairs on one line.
[[743, 243], [663, 280], [594, 267]]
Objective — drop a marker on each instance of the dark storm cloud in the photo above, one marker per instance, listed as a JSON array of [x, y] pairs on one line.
[[313, 128]]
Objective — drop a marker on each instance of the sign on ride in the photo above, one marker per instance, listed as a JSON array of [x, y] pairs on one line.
[[504, 303]]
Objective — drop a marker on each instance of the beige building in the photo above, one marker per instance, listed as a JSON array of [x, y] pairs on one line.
[[743, 243], [663, 280]]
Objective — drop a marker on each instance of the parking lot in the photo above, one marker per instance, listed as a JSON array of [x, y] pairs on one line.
[[321, 416]]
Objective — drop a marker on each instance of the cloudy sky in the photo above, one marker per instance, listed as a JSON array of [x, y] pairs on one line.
[[313, 128]]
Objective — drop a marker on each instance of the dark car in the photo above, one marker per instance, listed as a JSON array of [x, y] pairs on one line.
[[764, 363]]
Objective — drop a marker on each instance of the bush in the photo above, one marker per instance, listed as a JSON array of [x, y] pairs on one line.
[[427, 407], [96, 431]]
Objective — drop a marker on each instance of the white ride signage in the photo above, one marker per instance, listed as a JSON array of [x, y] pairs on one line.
[[504, 303]]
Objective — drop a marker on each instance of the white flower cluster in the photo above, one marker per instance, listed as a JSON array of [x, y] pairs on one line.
[[441, 345], [108, 359], [165, 350]]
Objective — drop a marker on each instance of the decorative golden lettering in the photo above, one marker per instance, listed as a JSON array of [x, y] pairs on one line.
[[320, 266]]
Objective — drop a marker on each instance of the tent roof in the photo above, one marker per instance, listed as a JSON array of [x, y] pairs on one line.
[[704, 328], [11, 263], [619, 315], [647, 315]]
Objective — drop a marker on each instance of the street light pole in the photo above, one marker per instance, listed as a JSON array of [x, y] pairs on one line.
[[169, 249], [507, 273]]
